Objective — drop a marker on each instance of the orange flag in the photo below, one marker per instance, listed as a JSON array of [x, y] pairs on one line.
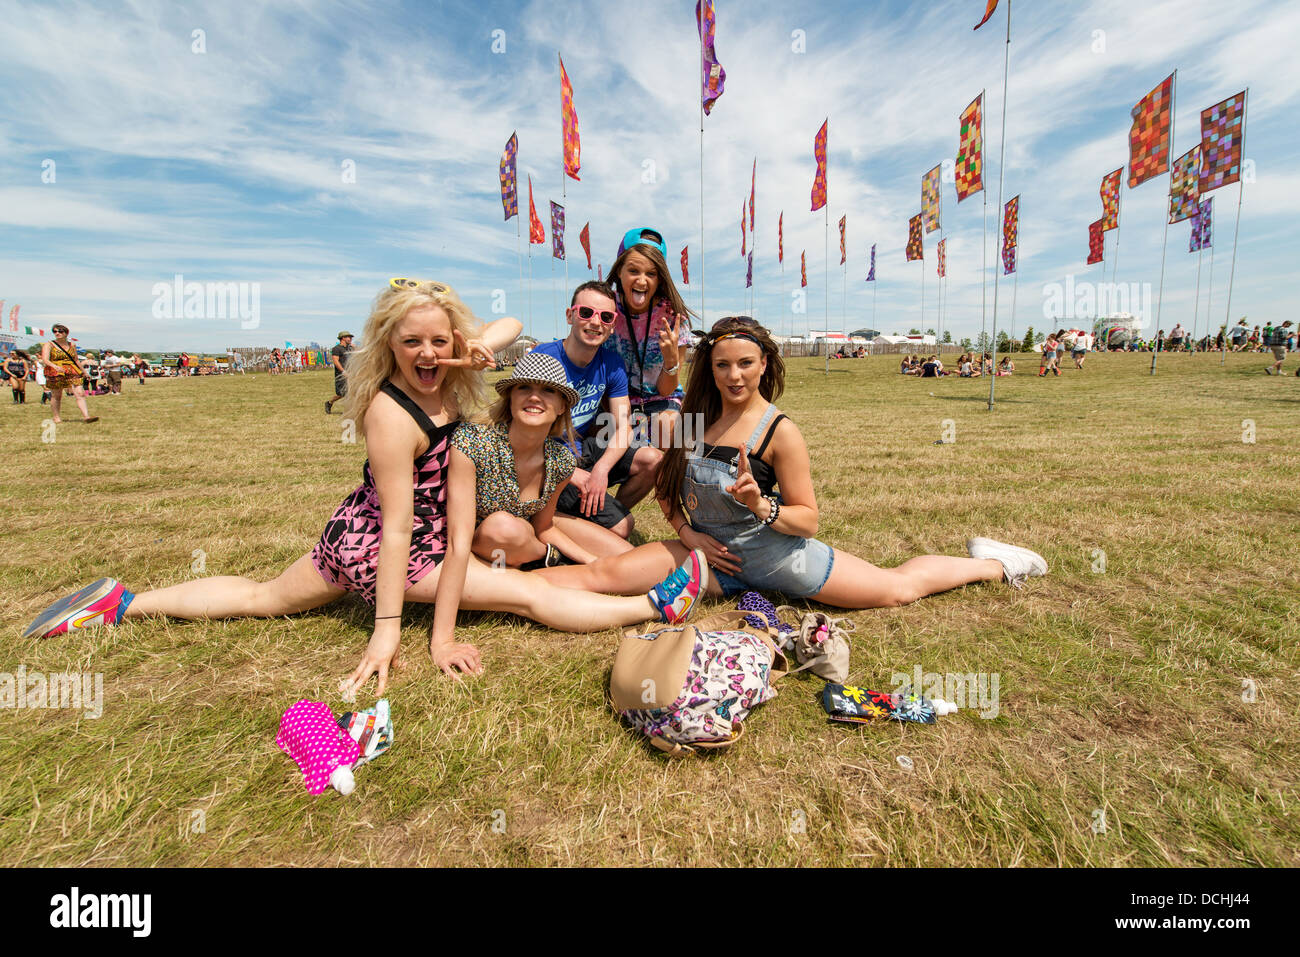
[[572, 145]]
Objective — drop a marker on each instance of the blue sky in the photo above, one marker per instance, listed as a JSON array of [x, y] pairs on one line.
[[227, 165]]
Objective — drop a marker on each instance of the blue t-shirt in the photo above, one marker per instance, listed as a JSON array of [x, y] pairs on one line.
[[603, 376]]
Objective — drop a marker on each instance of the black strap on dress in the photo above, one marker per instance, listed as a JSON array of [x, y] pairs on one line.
[[433, 431]]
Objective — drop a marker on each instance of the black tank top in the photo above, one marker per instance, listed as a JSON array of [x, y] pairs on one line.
[[764, 474]]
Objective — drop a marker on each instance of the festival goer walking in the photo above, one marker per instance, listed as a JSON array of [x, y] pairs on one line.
[[339, 358], [405, 534], [1049, 362], [112, 365], [721, 497], [651, 331], [1278, 343], [63, 372], [16, 368]]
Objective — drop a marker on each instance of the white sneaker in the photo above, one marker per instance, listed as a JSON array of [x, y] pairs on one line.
[[1018, 563]]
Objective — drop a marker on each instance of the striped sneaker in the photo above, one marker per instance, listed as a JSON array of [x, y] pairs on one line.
[[103, 603], [1018, 564], [677, 595]]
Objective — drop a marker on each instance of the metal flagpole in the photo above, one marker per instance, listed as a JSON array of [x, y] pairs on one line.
[[783, 287], [519, 252], [984, 275], [1241, 186], [703, 76], [564, 179], [1002, 154], [826, 282], [1196, 312], [531, 328], [1209, 301], [1160, 295]]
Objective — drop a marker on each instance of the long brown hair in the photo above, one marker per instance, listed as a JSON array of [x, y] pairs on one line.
[[702, 397], [664, 289]]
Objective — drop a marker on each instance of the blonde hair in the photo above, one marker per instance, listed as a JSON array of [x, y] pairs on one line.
[[370, 366], [562, 428]]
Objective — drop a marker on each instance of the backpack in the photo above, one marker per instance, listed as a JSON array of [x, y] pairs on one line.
[[692, 687]]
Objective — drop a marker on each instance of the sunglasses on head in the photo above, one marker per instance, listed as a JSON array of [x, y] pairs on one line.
[[402, 283], [743, 320], [586, 312]]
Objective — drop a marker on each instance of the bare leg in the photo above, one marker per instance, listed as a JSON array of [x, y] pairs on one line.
[[631, 573], [662, 432], [56, 402], [79, 395], [298, 588], [502, 537], [855, 583], [529, 595], [594, 538]]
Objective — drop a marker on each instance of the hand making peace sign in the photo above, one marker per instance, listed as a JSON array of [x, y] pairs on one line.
[[669, 335], [474, 354]]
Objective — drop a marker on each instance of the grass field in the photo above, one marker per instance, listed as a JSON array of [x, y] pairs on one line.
[[1147, 687]]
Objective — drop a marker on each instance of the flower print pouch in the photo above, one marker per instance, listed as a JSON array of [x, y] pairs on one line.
[[854, 705]]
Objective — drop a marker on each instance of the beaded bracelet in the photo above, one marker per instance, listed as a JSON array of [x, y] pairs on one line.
[[776, 509]]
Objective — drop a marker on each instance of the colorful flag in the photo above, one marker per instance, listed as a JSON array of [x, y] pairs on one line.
[[572, 145], [930, 199], [1110, 199], [803, 268], [1011, 234], [943, 258], [749, 273], [13, 318], [536, 235], [753, 181], [780, 237], [1148, 139], [600, 272], [1221, 139], [713, 75], [819, 182], [914, 248], [584, 237], [871, 273], [31, 331], [557, 231], [686, 275], [13, 323], [509, 199], [1096, 238], [1201, 226], [993, 5], [843, 221], [742, 227], [970, 148], [1182, 185]]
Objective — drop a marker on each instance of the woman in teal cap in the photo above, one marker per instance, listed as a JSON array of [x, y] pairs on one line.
[[651, 331]]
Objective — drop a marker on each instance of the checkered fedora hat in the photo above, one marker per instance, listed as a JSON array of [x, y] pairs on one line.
[[543, 369]]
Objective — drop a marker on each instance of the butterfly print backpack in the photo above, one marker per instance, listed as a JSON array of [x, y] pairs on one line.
[[692, 687]]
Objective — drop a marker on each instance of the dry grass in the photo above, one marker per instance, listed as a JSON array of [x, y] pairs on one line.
[[1119, 691]]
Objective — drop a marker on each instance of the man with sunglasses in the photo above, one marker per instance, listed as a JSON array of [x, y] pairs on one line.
[[607, 456]]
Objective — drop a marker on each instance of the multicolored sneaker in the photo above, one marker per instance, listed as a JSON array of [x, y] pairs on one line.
[[103, 603], [677, 595], [1018, 563]]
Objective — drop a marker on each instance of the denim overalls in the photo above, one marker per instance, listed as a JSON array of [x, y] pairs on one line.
[[769, 560]]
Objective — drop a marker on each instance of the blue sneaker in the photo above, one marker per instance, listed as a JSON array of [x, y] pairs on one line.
[[677, 595]]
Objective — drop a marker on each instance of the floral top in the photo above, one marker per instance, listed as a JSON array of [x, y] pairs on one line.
[[636, 340], [488, 447]]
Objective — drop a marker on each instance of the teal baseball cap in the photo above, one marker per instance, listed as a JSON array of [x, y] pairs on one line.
[[643, 236]]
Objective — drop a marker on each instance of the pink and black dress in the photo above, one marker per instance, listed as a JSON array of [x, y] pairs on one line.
[[347, 555]]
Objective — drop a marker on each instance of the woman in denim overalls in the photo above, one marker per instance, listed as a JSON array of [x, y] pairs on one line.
[[722, 499]]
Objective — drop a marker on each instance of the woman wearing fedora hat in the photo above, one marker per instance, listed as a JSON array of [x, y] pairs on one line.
[[400, 536], [520, 465]]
